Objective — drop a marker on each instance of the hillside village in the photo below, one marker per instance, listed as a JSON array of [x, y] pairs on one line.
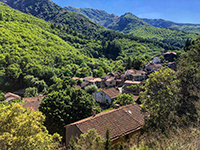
[[110, 85], [118, 83]]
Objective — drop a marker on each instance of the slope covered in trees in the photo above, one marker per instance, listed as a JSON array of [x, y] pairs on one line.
[[28, 48], [187, 27], [131, 24]]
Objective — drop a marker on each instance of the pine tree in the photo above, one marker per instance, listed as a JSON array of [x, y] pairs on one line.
[[107, 144]]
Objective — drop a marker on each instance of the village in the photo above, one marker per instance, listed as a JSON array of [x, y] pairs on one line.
[[121, 120]]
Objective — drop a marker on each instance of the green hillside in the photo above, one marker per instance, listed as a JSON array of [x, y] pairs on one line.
[[131, 24], [49, 11], [192, 28], [94, 42], [28, 48]]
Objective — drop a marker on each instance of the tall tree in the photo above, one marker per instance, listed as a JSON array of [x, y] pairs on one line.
[[189, 77], [108, 142], [160, 100], [66, 106]]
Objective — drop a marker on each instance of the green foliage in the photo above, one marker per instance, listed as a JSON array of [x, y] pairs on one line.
[[2, 96], [1, 16], [72, 144], [66, 106], [161, 100], [121, 146], [31, 92], [91, 88], [21, 128], [90, 141], [124, 99], [107, 142], [189, 77]]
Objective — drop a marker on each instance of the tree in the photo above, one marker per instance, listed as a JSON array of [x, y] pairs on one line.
[[100, 72], [31, 92], [72, 144], [91, 88], [1, 16], [160, 100], [108, 143], [2, 96], [121, 146], [22, 128], [124, 99], [66, 106], [189, 79], [90, 141]]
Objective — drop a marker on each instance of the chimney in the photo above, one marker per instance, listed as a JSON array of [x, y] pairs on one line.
[[117, 106], [94, 112]]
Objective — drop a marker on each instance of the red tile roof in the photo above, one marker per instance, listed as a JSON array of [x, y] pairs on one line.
[[111, 92], [10, 96], [32, 102], [120, 122]]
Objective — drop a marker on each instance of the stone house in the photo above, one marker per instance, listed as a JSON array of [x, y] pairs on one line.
[[125, 121], [136, 75], [170, 56], [151, 67], [127, 87], [106, 96]]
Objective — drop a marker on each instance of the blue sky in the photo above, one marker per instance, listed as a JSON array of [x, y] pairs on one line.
[[180, 11]]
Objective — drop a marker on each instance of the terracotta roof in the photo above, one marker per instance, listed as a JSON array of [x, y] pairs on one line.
[[111, 92], [154, 65], [10, 96], [132, 82], [75, 78], [110, 79], [84, 84], [77, 86], [120, 122], [169, 53], [32, 102], [136, 72], [97, 79]]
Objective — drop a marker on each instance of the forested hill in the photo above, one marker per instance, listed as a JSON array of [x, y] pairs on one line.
[[187, 27], [49, 11], [32, 46], [29, 47], [131, 24]]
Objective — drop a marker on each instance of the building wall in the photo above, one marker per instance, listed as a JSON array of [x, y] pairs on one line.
[[71, 131], [101, 97], [111, 83]]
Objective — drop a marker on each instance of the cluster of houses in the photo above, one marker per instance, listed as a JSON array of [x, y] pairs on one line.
[[114, 84], [126, 121]]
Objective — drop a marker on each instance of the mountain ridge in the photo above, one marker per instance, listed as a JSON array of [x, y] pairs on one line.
[[131, 24]]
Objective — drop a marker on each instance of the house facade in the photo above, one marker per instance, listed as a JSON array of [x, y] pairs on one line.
[[136, 75], [121, 122], [106, 96], [128, 89]]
